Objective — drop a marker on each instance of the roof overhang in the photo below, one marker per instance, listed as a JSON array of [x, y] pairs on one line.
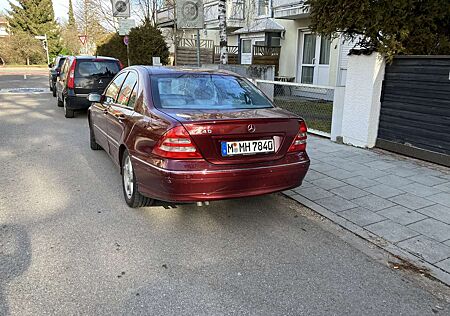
[[261, 25]]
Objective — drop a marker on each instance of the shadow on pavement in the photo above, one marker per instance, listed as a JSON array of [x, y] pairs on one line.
[[15, 257]]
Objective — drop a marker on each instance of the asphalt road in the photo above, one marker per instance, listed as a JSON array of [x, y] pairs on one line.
[[69, 245]]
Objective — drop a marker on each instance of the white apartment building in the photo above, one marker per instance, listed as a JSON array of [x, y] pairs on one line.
[[305, 57]]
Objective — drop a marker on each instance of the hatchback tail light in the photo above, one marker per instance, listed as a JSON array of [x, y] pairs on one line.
[[71, 80], [176, 143], [299, 143], [120, 65]]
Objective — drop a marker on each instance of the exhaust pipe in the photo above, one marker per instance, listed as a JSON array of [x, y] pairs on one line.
[[203, 203]]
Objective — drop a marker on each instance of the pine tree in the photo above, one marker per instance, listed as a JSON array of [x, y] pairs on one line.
[[72, 23], [35, 17], [69, 34]]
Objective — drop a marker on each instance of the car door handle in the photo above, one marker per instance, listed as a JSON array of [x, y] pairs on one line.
[[119, 117]]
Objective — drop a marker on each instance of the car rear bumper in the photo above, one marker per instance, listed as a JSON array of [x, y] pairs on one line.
[[208, 185], [78, 102]]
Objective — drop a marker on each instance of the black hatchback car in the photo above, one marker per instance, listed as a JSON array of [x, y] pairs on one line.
[[81, 75], [54, 71]]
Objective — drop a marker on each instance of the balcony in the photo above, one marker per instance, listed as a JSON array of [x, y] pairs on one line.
[[289, 9], [165, 16], [235, 15]]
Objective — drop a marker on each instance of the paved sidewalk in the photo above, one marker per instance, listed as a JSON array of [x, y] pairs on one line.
[[401, 204]]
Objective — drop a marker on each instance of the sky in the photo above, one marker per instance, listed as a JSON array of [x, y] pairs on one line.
[[61, 8]]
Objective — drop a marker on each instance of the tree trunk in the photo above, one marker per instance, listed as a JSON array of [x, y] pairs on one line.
[[223, 31]]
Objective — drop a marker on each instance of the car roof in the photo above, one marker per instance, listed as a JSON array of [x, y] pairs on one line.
[[160, 70], [94, 57]]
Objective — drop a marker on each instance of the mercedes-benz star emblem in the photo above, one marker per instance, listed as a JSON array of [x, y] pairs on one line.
[[251, 128]]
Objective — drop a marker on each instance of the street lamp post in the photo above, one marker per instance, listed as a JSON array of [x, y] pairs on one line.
[[44, 40]]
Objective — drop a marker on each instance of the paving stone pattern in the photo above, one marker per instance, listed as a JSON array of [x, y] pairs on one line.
[[402, 200]]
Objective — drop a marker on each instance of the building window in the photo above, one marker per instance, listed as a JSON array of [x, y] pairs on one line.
[[325, 45], [246, 46], [263, 7], [276, 42]]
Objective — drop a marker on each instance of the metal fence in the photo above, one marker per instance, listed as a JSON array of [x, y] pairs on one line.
[[313, 103]]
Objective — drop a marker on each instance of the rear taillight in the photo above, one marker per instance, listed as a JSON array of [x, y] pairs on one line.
[[299, 143], [120, 65], [176, 143], [71, 80]]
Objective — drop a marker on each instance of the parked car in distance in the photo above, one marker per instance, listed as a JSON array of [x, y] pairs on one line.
[[54, 71], [182, 135], [81, 75]]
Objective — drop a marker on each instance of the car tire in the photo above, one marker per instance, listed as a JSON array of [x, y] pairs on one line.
[[68, 113], [93, 143], [130, 188], [59, 103], [53, 89]]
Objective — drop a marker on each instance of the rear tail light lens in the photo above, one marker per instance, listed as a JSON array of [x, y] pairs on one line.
[[71, 80], [176, 143], [120, 65], [299, 143]]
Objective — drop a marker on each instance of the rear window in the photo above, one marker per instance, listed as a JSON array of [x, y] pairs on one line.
[[206, 92], [97, 68]]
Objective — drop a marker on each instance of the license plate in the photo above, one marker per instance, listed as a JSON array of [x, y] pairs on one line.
[[247, 147]]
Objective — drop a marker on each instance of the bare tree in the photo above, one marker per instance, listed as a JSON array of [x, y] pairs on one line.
[[146, 10], [91, 22]]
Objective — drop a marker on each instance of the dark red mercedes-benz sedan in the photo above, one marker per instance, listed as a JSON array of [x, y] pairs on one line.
[[184, 135]]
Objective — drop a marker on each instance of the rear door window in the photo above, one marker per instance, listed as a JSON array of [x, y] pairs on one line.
[[96, 68], [60, 62], [127, 89], [114, 87], [64, 68]]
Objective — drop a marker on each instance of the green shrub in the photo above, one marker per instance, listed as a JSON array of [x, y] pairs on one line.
[[113, 46], [389, 26], [145, 42]]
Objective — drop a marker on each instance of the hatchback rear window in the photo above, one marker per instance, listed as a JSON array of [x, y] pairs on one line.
[[97, 68], [206, 92]]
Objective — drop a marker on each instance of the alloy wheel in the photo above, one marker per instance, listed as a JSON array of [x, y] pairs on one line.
[[128, 181]]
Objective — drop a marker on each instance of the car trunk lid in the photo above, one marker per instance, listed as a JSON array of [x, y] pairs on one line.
[[209, 129]]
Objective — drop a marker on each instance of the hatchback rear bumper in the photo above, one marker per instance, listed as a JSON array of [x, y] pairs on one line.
[[208, 185], [78, 102]]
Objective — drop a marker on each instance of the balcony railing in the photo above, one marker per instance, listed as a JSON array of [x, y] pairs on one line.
[[165, 16], [235, 14], [289, 9]]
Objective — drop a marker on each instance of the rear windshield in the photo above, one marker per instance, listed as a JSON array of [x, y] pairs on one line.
[[206, 92], [97, 68]]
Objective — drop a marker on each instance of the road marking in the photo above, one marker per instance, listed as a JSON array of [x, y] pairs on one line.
[[24, 91]]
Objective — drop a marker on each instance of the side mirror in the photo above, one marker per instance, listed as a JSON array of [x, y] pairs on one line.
[[94, 97], [50, 65]]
